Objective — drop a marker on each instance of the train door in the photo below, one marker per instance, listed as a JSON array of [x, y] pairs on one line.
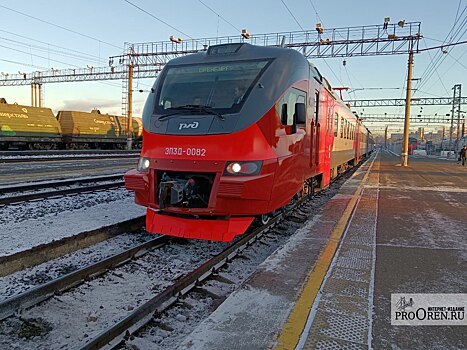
[[357, 143], [314, 135], [290, 146], [328, 134]]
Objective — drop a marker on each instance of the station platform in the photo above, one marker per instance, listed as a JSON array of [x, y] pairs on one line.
[[390, 229]]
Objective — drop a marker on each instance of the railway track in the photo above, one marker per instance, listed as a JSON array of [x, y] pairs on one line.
[[67, 152], [63, 155], [126, 325], [123, 330], [34, 296], [65, 158], [44, 190], [142, 314], [45, 252]]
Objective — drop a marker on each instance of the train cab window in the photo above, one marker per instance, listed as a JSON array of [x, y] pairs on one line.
[[286, 105], [221, 86], [336, 124]]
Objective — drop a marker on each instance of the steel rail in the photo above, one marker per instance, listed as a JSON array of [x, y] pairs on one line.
[[45, 252], [115, 334], [65, 152], [57, 183], [24, 159], [38, 294], [59, 193]]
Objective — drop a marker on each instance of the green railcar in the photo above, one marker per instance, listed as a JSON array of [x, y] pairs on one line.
[[89, 130], [28, 127]]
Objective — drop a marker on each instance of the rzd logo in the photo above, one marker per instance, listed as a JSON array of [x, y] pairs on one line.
[[193, 125]]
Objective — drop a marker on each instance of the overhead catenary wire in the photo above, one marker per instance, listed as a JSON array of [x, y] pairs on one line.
[[436, 70], [295, 19], [439, 58], [219, 16], [84, 54], [23, 64], [157, 18], [48, 50], [458, 59], [61, 27], [316, 12]]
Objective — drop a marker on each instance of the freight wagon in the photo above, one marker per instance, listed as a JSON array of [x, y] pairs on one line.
[[27, 127]]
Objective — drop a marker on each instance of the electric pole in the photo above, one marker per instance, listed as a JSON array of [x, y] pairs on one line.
[[457, 97], [386, 137], [129, 140], [405, 144]]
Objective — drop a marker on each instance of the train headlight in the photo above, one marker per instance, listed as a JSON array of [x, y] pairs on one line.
[[143, 164], [243, 168]]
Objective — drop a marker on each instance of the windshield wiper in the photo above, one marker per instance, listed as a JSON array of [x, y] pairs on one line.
[[192, 108]]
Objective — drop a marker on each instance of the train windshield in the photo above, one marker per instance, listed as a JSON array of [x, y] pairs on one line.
[[222, 87]]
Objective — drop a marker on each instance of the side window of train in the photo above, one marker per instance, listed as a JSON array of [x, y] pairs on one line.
[[287, 105], [342, 127], [336, 124]]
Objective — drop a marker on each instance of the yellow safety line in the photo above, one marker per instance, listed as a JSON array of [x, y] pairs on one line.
[[290, 335]]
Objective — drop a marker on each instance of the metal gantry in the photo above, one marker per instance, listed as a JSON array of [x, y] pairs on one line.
[[76, 75], [149, 58], [456, 102], [146, 60], [396, 102], [398, 118], [335, 42]]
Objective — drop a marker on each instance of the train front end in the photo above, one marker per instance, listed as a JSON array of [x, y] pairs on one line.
[[207, 166]]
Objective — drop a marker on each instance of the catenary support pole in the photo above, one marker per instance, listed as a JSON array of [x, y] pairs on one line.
[[408, 98], [129, 140]]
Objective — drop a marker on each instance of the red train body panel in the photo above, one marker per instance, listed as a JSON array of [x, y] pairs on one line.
[[210, 166]]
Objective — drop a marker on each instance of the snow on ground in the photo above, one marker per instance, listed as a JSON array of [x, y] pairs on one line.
[[68, 320], [26, 279], [26, 225]]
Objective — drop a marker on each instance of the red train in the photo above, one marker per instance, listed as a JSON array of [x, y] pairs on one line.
[[235, 133]]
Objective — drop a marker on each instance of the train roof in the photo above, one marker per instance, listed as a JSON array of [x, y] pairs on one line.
[[237, 51]]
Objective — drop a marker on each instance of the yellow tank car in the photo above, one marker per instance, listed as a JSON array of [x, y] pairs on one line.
[[137, 130], [89, 130], [28, 127], [137, 127]]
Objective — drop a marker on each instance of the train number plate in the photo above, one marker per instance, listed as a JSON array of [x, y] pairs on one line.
[[180, 151]]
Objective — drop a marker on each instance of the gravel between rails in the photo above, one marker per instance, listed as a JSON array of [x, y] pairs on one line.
[[26, 279], [66, 321]]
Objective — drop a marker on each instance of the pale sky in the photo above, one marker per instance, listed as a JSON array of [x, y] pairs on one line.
[[88, 32]]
